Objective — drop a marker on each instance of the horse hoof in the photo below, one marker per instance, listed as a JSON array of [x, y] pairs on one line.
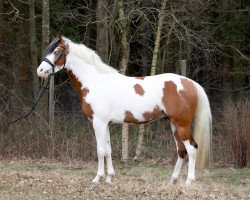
[[96, 179], [109, 180], [172, 182], [189, 181]]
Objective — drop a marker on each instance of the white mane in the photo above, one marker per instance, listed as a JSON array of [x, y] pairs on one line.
[[89, 56]]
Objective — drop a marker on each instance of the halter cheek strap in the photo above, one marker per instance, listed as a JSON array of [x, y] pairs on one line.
[[53, 65]]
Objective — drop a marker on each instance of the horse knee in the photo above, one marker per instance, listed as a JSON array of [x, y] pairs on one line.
[[107, 154], [194, 144], [182, 153], [101, 152], [181, 150]]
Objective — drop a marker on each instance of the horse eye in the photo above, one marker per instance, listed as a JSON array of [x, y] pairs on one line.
[[55, 52]]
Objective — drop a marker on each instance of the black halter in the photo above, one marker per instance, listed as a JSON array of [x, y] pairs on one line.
[[53, 65]]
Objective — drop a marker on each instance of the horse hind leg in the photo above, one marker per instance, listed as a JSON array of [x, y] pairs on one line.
[[186, 137], [181, 150]]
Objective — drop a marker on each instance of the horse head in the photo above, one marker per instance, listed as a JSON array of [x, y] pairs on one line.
[[54, 58]]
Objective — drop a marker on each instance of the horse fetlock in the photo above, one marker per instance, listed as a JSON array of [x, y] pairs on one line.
[[189, 180], [111, 172], [174, 176], [100, 173], [173, 179], [109, 179], [96, 179]]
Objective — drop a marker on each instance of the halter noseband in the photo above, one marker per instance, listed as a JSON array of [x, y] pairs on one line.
[[53, 65]]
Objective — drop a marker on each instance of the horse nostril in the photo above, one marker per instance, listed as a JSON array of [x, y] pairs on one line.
[[41, 70]]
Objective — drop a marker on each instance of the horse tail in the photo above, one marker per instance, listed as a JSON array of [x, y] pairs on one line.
[[203, 129]]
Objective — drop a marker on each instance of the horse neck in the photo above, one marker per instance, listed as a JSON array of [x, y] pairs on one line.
[[84, 72], [89, 56]]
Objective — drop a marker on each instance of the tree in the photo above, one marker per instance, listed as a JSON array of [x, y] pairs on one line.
[[33, 47], [45, 42], [45, 25], [102, 41], [152, 73], [123, 68], [1, 26]]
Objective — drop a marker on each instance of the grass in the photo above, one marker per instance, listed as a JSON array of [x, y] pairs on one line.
[[28, 179]]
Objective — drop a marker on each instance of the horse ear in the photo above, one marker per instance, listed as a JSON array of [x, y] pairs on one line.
[[51, 37], [60, 38]]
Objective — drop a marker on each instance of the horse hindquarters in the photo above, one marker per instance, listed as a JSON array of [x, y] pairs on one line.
[[180, 107]]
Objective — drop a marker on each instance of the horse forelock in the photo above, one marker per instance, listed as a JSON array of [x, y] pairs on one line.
[[52, 46]]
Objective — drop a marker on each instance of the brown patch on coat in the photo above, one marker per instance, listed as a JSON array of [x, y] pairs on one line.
[[141, 78], [129, 118], [86, 107], [138, 89], [182, 152], [62, 49], [148, 116], [155, 114], [180, 107]]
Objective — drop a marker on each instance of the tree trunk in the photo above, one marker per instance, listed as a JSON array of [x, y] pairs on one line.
[[102, 42], [158, 38], [113, 53], [145, 67], [24, 84], [144, 73], [1, 28], [166, 50], [123, 69], [45, 41], [45, 25], [183, 67], [33, 47], [139, 146], [153, 72]]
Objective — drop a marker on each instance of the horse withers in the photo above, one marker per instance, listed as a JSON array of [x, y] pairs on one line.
[[108, 96]]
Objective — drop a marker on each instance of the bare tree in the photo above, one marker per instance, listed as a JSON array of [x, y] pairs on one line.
[[1, 26], [123, 68], [45, 24], [102, 41], [33, 47], [153, 72]]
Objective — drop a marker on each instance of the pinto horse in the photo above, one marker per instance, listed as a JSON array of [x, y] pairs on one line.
[[108, 96]]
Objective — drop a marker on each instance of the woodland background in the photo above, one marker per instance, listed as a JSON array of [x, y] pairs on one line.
[[139, 38]]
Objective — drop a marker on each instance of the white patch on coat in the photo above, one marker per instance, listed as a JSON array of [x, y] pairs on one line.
[[111, 95]]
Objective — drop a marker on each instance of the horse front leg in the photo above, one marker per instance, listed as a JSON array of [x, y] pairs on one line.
[[110, 168], [100, 128]]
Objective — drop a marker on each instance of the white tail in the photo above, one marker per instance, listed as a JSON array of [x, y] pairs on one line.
[[203, 129]]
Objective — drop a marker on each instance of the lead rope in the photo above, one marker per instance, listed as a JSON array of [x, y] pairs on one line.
[[44, 88], [38, 98]]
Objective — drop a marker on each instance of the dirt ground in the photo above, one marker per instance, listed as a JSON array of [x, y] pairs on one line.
[[28, 179]]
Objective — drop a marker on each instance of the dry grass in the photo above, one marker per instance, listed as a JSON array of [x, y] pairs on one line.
[[234, 133], [29, 179]]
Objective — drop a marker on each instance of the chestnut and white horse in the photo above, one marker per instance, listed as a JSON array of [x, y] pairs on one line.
[[108, 96]]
